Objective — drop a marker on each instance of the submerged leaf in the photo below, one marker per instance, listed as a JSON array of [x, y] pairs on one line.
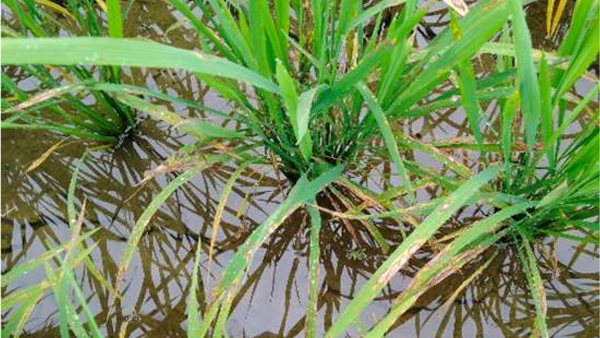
[[44, 156]]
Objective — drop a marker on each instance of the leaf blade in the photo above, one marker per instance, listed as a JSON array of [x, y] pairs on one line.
[[123, 52]]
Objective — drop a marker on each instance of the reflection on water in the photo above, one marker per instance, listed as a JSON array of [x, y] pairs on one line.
[[272, 299]]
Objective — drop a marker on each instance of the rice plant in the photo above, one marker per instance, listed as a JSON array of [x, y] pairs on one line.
[[319, 86], [91, 115]]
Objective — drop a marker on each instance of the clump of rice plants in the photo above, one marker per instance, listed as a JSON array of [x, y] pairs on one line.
[[319, 85], [310, 90], [104, 119], [562, 173]]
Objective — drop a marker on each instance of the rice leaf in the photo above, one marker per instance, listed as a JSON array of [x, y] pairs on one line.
[[71, 212], [557, 16], [193, 317], [201, 28], [579, 23], [305, 102], [22, 269], [508, 114], [115, 20], [123, 52], [22, 294], [536, 287], [444, 158], [303, 191], [57, 8], [478, 27], [290, 98], [388, 136], [349, 80], [220, 207], [282, 9], [447, 262], [546, 110], [468, 88], [583, 59], [142, 222], [209, 129], [555, 194], [91, 322], [574, 114], [231, 33], [20, 316], [366, 15], [408, 248], [196, 127], [549, 16], [314, 256], [528, 84], [448, 303]]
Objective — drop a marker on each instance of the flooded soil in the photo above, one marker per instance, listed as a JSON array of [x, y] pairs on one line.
[[273, 298]]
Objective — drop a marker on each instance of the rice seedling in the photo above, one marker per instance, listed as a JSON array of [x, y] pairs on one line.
[[319, 87], [91, 115]]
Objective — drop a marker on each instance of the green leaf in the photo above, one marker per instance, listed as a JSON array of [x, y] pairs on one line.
[[289, 94], [201, 28], [91, 322], [303, 191], [71, 212], [482, 22], [290, 99], [468, 87], [583, 59], [195, 127], [193, 318], [314, 255], [142, 222], [19, 316], [303, 113], [448, 260], [388, 136], [546, 110], [282, 9], [535, 285], [528, 85], [438, 155], [508, 114], [22, 269], [123, 52], [349, 81], [408, 248], [115, 21], [212, 130], [574, 114], [560, 191], [373, 10]]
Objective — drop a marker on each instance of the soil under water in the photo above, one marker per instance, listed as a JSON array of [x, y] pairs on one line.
[[272, 300]]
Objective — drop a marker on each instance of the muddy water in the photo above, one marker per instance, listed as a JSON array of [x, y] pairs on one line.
[[272, 301]]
